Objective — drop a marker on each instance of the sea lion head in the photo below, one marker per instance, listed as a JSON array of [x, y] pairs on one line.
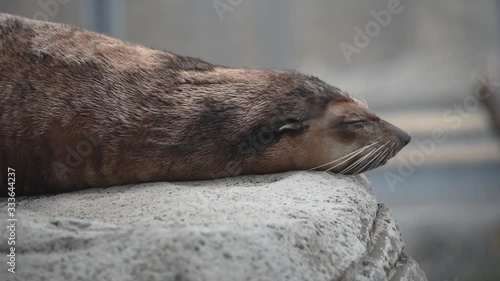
[[355, 139], [345, 138]]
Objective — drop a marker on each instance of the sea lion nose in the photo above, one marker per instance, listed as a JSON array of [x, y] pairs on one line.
[[397, 133], [406, 138]]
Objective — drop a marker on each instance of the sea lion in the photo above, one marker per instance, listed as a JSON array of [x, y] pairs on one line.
[[79, 109]]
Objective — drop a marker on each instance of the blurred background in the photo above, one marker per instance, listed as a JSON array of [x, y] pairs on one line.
[[416, 63]]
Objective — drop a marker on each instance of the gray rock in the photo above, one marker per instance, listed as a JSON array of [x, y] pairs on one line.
[[291, 226]]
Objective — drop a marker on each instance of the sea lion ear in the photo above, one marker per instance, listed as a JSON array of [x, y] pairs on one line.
[[291, 126]]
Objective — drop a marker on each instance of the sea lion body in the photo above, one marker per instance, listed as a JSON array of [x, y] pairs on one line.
[[80, 109]]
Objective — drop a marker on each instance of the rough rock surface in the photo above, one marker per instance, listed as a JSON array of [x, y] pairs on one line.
[[292, 226]]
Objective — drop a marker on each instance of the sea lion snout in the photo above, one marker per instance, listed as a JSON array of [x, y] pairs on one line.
[[406, 138], [398, 134], [357, 139]]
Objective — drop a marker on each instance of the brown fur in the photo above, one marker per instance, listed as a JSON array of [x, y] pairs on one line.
[[79, 109]]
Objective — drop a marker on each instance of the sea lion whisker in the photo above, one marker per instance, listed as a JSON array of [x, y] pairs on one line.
[[392, 152], [383, 155], [370, 161], [351, 157], [375, 159], [331, 168], [355, 164], [387, 154], [366, 159], [341, 158], [352, 154], [364, 101], [387, 157], [358, 162]]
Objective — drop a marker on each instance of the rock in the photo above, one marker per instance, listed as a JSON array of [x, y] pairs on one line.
[[291, 226]]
